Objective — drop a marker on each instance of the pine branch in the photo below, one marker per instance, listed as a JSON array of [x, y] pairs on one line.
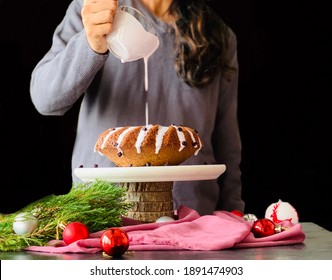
[[99, 205]]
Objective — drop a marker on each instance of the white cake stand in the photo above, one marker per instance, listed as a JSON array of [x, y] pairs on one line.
[[151, 173], [149, 188]]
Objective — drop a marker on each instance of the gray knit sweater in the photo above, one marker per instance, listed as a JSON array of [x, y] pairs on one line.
[[114, 96]]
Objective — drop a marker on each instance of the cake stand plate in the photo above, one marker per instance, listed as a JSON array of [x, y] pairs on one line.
[[151, 173]]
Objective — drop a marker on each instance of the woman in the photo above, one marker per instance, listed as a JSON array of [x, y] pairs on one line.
[[193, 80]]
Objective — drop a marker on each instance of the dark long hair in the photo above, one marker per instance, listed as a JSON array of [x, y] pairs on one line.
[[201, 41]]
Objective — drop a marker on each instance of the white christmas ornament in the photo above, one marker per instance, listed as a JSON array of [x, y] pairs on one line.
[[281, 211], [25, 223], [163, 219]]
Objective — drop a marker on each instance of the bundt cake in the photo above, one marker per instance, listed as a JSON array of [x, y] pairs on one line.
[[151, 145]]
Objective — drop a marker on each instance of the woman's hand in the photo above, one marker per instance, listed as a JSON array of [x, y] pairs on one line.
[[97, 18]]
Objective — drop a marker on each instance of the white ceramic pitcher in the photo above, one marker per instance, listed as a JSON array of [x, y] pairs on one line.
[[133, 36]]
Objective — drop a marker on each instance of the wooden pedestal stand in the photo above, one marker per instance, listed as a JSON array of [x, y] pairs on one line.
[[150, 200]]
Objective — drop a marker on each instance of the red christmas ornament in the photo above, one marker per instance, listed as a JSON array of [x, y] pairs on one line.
[[114, 242], [237, 213], [75, 231], [263, 227]]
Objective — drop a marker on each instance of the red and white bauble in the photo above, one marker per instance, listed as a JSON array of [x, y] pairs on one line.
[[282, 211]]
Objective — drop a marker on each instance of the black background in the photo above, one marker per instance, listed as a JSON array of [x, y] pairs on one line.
[[284, 109]]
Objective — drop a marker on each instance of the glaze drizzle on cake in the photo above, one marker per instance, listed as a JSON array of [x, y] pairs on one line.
[[148, 145]]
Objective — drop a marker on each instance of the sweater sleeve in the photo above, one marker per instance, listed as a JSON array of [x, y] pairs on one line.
[[226, 137], [67, 69]]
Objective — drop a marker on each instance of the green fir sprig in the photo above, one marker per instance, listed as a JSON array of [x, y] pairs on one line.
[[99, 205]]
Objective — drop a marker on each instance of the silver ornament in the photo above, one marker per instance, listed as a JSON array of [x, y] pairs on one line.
[[279, 228], [249, 217], [163, 219], [25, 223]]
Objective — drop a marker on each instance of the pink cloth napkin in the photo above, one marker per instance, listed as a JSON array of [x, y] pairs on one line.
[[221, 230]]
